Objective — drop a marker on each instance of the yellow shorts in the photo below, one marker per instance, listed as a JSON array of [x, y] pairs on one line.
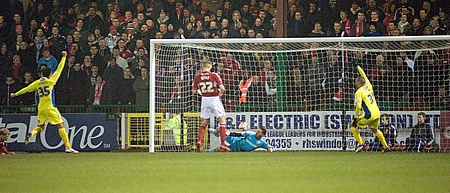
[[373, 122], [52, 115]]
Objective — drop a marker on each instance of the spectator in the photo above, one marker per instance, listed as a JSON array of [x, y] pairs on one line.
[[424, 19], [77, 11], [428, 31], [77, 39], [271, 88], [79, 82], [354, 10], [17, 68], [4, 28], [27, 56], [265, 21], [112, 76], [373, 31], [123, 50], [69, 21], [251, 33], [204, 10], [315, 74], [360, 27], [58, 42], [103, 49], [389, 132], [93, 75], [19, 38], [246, 16], [404, 9], [144, 32], [416, 29], [113, 37], [139, 56], [93, 20], [297, 28], [422, 135], [96, 92], [345, 22], [317, 31], [443, 17], [97, 59], [227, 9], [6, 88], [389, 11], [371, 5], [30, 97], [5, 59], [379, 25], [162, 19], [48, 60], [337, 31], [403, 24], [437, 29], [272, 31], [313, 16], [126, 94], [382, 83], [442, 100], [119, 60], [33, 29], [259, 28], [254, 10], [141, 88], [401, 75], [87, 64]]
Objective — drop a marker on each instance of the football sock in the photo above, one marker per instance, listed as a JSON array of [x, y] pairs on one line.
[[64, 137], [356, 135], [36, 130], [380, 136], [201, 132], [223, 134]]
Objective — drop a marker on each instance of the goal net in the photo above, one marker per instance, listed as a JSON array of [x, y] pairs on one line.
[[300, 90]]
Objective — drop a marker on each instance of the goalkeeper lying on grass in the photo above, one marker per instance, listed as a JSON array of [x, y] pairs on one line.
[[244, 141]]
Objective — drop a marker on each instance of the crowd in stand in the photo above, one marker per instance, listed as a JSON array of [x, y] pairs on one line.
[[108, 41]]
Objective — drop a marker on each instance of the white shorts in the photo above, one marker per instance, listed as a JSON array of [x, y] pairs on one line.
[[212, 105]]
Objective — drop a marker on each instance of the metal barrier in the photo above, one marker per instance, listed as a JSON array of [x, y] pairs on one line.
[[138, 130]]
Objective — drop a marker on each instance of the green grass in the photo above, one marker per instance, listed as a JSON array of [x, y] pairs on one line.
[[226, 172]]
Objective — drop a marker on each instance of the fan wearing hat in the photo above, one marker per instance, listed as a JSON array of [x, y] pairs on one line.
[[113, 37]]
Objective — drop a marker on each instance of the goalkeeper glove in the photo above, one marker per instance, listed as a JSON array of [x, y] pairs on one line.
[[354, 121]]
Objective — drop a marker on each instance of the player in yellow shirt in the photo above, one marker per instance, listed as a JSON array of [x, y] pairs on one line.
[[47, 109], [365, 100]]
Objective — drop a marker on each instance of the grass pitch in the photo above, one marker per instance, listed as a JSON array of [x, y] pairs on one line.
[[226, 172]]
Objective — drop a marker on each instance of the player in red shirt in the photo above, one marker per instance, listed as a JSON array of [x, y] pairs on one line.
[[210, 86], [4, 135]]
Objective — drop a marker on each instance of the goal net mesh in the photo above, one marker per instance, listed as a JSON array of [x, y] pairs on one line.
[[298, 77]]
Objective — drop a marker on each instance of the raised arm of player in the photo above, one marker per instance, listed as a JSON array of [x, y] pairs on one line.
[[33, 86], [363, 74], [58, 71]]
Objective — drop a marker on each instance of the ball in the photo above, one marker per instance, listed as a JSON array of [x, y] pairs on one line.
[[244, 126]]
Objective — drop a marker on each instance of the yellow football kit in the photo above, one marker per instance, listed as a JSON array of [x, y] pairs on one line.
[[45, 87], [365, 100]]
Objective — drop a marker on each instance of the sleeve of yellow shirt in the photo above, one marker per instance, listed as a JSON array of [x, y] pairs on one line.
[[58, 71], [33, 86]]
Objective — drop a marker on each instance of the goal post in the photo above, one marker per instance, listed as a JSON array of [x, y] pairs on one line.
[[292, 78]]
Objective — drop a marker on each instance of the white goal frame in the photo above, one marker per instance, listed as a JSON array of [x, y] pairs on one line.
[[341, 40]]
